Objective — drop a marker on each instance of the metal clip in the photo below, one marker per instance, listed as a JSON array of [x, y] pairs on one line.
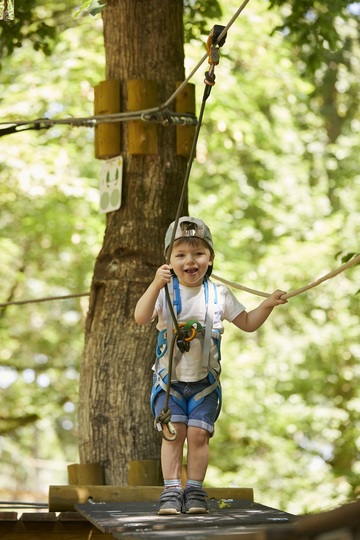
[[172, 432], [212, 44]]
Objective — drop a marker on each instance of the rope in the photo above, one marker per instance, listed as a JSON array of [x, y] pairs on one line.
[[240, 287], [329, 275], [164, 417], [46, 299]]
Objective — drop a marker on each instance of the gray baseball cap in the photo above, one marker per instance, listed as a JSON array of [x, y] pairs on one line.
[[194, 227]]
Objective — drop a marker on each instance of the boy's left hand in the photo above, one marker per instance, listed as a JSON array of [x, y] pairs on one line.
[[275, 298]]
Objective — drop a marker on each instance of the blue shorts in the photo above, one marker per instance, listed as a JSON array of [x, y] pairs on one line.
[[202, 416]]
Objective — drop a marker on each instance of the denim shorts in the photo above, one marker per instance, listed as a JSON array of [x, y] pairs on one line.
[[202, 416]]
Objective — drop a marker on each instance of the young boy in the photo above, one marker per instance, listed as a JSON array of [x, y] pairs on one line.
[[195, 393]]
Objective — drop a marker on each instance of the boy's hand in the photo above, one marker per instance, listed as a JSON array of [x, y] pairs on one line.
[[275, 299], [162, 276]]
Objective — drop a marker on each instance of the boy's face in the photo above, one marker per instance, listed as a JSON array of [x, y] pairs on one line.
[[190, 262]]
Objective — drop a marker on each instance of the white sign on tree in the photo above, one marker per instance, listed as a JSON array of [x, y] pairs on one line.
[[111, 185]]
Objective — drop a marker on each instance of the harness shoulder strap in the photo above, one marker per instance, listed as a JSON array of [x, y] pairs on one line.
[[209, 318]]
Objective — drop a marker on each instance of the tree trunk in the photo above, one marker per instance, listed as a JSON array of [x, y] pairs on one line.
[[143, 40]]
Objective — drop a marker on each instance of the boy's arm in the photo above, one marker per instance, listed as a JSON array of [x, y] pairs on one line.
[[252, 320], [145, 308]]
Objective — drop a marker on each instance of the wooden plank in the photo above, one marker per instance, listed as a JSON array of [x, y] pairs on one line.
[[347, 515], [71, 516], [8, 516], [129, 518], [63, 498], [76, 528], [39, 516]]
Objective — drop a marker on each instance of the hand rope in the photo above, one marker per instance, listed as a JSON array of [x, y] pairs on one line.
[[330, 275]]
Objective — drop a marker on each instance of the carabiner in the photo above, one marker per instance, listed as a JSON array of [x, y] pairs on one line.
[[171, 430], [190, 329]]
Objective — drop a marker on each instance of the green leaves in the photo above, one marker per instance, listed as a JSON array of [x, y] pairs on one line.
[[280, 192], [90, 6], [198, 15]]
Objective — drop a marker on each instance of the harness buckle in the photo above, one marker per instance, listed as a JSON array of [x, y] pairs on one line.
[[183, 344]]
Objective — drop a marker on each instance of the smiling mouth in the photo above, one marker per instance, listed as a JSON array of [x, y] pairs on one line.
[[191, 271]]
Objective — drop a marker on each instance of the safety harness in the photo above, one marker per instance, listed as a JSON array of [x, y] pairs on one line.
[[192, 329]]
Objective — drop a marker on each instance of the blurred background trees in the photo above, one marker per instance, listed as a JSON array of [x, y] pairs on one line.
[[276, 178]]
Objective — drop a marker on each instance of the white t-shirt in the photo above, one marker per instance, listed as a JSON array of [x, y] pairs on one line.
[[189, 368]]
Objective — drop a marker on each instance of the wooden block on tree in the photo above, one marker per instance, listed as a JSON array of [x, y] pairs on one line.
[[142, 136], [63, 498], [185, 103], [85, 473], [107, 135]]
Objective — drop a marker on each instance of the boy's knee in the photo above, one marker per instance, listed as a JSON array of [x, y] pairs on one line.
[[198, 435]]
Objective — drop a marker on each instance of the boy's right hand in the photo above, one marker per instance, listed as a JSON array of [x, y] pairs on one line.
[[162, 276]]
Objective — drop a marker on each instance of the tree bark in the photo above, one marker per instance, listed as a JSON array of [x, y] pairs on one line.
[[143, 40]]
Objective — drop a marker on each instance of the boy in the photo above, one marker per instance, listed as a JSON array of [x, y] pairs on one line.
[[195, 392]]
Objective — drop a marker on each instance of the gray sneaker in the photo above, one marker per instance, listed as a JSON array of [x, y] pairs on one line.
[[171, 501], [194, 501]]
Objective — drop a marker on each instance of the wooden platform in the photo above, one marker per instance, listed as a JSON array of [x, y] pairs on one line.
[[245, 520], [140, 520]]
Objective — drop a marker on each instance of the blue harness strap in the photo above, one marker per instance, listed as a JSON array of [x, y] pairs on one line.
[[187, 405], [161, 380]]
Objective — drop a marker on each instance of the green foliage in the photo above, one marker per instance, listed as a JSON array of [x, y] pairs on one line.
[[90, 6], [38, 24], [315, 28], [51, 235], [197, 17], [276, 178]]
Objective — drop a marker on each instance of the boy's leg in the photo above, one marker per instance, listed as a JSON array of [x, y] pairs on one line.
[[171, 498], [197, 462], [198, 453], [172, 453]]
